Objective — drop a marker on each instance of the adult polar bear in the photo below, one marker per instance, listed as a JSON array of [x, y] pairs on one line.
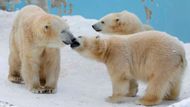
[[34, 49], [151, 56], [121, 23]]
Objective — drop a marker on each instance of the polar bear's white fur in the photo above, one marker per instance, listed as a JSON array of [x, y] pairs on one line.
[[153, 57], [121, 23], [34, 49]]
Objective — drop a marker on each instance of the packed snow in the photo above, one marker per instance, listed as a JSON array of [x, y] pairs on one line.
[[183, 103], [82, 82]]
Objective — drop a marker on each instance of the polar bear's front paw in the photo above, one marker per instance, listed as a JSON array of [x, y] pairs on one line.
[[38, 90], [115, 99], [15, 78], [148, 102], [43, 90], [49, 90]]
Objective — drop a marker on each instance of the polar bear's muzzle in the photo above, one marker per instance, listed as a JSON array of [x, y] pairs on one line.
[[96, 27], [67, 37], [75, 43]]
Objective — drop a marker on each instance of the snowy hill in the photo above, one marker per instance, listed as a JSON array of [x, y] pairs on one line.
[[82, 82]]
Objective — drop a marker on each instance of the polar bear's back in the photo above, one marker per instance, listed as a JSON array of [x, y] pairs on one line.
[[24, 19], [154, 37], [150, 50], [30, 11], [26, 15], [156, 41], [157, 47]]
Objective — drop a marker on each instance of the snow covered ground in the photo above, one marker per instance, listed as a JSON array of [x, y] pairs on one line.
[[82, 83]]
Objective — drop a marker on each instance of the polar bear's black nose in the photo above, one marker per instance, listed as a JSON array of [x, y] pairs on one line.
[[74, 43], [73, 40], [96, 28]]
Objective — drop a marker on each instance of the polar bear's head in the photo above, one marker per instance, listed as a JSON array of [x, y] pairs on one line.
[[51, 31], [118, 23], [91, 47]]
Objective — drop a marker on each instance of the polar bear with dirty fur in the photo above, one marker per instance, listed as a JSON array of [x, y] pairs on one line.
[[34, 49], [121, 23], [153, 57]]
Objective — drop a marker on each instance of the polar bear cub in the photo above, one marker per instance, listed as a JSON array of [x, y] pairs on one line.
[[154, 57], [34, 49], [121, 23]]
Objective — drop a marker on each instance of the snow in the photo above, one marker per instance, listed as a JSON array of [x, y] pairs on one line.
[[183, 103], [6, 104], [82, 82]]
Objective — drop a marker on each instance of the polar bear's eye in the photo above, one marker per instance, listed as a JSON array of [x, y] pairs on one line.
[[116, 20], [102, 22], [46, 26]]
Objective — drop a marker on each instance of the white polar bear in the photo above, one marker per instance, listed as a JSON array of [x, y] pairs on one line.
[[34, 49], [153, 57], [121, 23]]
